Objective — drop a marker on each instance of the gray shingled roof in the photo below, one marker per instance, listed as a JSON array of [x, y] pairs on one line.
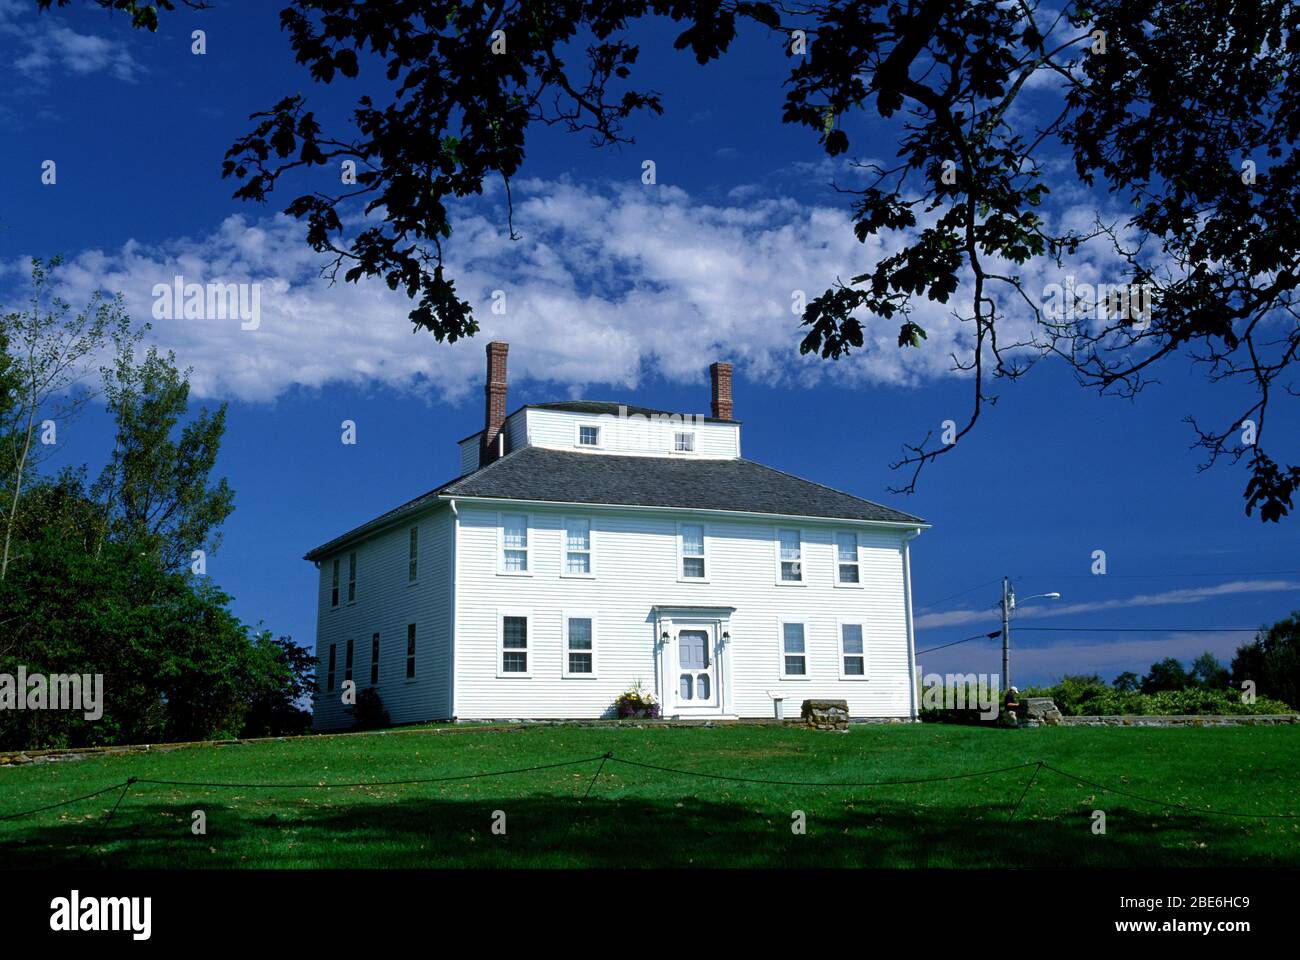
[[561, 476], [541, 474]]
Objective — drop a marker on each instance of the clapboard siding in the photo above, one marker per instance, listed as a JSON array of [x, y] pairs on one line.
[[469, 451], [632, 434], [385, 603], [635, 560]]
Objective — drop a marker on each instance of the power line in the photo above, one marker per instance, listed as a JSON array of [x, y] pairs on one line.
[[1152, 576], [961, 593], [1143, 629], [978, 636]]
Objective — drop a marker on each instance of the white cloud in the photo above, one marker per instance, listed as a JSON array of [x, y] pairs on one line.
[[1167, 598], [608, 283], [48, 44], [1038, 664]]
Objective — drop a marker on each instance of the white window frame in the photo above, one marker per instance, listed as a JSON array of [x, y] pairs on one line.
[[840, 624], [352, 577], [681, 555], [335, 595], [690, 434], [529, 553], [529, 649], [803, 557], [411, 653], [413, 556], [565, 617], [780, 648], [835, 557], [564, 548], [600, 436]]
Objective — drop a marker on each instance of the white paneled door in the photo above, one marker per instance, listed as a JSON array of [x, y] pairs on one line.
[[697, 675]]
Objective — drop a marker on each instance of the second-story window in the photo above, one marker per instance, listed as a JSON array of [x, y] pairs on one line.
[[334, 590], [514, 542], [791, 556], [588, 436], [577, 546], [846, 559], [692, 548], [684, 442], [413, 561], [352, 577]]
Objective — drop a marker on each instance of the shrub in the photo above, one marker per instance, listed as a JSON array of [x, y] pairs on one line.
[[1079, 700], [369, 713], [636, 703]]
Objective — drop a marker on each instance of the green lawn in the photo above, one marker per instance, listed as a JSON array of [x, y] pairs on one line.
[[637, 817]]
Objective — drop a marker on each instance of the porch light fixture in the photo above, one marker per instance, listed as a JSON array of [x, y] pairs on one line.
[[664, 638]]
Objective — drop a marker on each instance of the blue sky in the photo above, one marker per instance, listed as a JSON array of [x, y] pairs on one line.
[[618, 291]]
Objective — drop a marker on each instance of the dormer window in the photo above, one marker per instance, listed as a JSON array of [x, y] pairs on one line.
[[588, 435], [684, 442]]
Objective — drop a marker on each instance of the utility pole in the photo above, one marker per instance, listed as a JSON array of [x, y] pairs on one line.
[[1008, 598], [1008, 606]]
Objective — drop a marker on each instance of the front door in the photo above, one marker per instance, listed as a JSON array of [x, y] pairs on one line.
[[697, 679]]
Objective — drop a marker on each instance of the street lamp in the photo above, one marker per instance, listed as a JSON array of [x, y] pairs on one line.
[[1008, 607]]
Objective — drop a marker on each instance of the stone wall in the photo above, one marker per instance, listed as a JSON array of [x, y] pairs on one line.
[[1231, 720], [826, 714]]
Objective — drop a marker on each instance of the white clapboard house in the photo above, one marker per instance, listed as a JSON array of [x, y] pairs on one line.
[[591, 546]]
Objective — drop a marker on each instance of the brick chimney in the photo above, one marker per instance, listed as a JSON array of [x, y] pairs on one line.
[[720, 374], [495, 393]]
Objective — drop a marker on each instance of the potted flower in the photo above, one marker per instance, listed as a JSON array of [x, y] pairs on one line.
[[636, 704]]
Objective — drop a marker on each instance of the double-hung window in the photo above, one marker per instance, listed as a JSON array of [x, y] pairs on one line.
[[577, 547], [846, 560], [683, 442], [329, 677], [791, 548], [514, 543], [514, 645], [334, 588], [352, 577], [794, 651], [853, 652], [347, 667], [374, 660], [588, 435], [410, 651], [413, 556], [579, 645], [691, 537]]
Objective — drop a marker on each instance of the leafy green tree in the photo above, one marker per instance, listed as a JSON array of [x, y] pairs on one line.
[[1184, 111], [1272, 661], [282, 687], [156, 488], [1127, 682], [1209, 672], [51, 350], [176, 664], [1167, 674]]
